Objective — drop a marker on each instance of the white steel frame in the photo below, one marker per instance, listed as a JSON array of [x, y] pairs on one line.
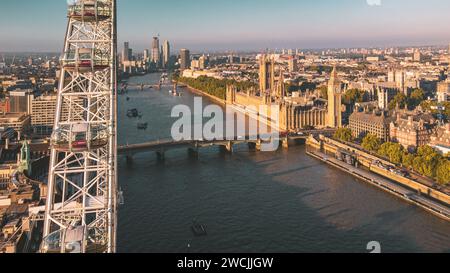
[[82, 185]]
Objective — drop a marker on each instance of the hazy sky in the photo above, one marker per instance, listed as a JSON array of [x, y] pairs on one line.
[[39, 25]]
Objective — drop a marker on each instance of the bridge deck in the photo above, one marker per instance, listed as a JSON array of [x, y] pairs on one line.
[[168, 144]]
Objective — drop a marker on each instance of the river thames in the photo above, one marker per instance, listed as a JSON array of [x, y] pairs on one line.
[[266, 202]]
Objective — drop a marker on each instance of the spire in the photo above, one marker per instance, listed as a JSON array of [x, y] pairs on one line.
[[334, 80], [333, 76]]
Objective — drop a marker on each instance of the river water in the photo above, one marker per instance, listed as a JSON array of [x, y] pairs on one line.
[[266, 202]]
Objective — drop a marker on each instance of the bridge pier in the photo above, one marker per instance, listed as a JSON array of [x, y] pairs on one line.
[[161, 155], [258, 145], [285, 143], [229, 147], [251, 146], [193, 153], [129, 159]]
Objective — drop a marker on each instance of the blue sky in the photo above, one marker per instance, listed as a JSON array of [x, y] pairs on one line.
[[38, 25]]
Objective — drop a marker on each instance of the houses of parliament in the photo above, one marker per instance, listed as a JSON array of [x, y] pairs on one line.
[[297, 111]]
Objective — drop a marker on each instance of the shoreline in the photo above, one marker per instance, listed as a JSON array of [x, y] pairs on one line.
[[223, 103], [203, 93]]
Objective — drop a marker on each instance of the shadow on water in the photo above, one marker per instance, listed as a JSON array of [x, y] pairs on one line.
[[251, 213]]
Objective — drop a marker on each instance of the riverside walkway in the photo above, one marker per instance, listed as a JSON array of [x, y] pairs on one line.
[[385, 184]]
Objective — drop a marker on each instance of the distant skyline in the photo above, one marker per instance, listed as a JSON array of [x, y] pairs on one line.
[[217, 25]]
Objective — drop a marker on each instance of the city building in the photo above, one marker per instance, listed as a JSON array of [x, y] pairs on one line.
[[334, 118], [443, 91], [385, 95], [440, 140], [41, 111], [411, 131], [20, 122], [5, 106], [43, 115], [156, 55], [20, 101], [203, 60], [296, 117], [146, 56], [293, 65], [190, 73], [126, 52], [185, 59], [266, 73], [166, 53], [298, 111], [195, 64], [405, 81], [367, 122], [417, 56]]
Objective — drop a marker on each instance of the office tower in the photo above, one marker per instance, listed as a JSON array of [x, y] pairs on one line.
[[391, 75], [202, 62], [266, 73], [161, 56], [125, 52], [155, 52], [185, 59], [43, 111], [293, 66], [195, 64], [166, 53], [334, 101], [417, 55], [130, 54], [231, 58], [146, 55], [21, 100]]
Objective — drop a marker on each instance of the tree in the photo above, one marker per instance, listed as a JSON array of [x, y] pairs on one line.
[[352, 96], [371, 143], [427, 161], [396, 153], [384, 149], [393, 151], [416, 98], [344, 134], [400, 99], [408, 160], [215, 87], [431, 106], [443, 172]]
